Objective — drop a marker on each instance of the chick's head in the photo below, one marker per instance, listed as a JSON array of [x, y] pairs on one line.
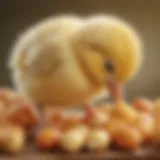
[[111, 50]]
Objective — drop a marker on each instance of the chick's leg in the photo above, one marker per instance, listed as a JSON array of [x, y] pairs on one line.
[[43, 119], [43, 116], [90, 112]]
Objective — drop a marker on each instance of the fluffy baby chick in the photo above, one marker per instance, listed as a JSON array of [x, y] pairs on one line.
[[65, 61]]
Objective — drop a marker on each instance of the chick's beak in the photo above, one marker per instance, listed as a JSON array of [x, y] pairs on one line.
[[116, 90]]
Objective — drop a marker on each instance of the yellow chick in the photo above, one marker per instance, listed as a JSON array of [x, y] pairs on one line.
[[67, 60]]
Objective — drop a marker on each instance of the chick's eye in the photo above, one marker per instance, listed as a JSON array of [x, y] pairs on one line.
[[109, 67]]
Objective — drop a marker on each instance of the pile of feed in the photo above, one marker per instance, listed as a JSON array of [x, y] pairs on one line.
[[125, 126]]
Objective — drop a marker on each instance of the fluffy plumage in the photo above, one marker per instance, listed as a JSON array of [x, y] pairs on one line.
[[109, 38], [60, 61]]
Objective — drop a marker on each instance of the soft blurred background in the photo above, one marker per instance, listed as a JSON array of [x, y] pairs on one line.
[[17, 15]]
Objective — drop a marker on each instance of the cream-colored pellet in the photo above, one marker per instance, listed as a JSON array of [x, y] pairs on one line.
[[98, 140]]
